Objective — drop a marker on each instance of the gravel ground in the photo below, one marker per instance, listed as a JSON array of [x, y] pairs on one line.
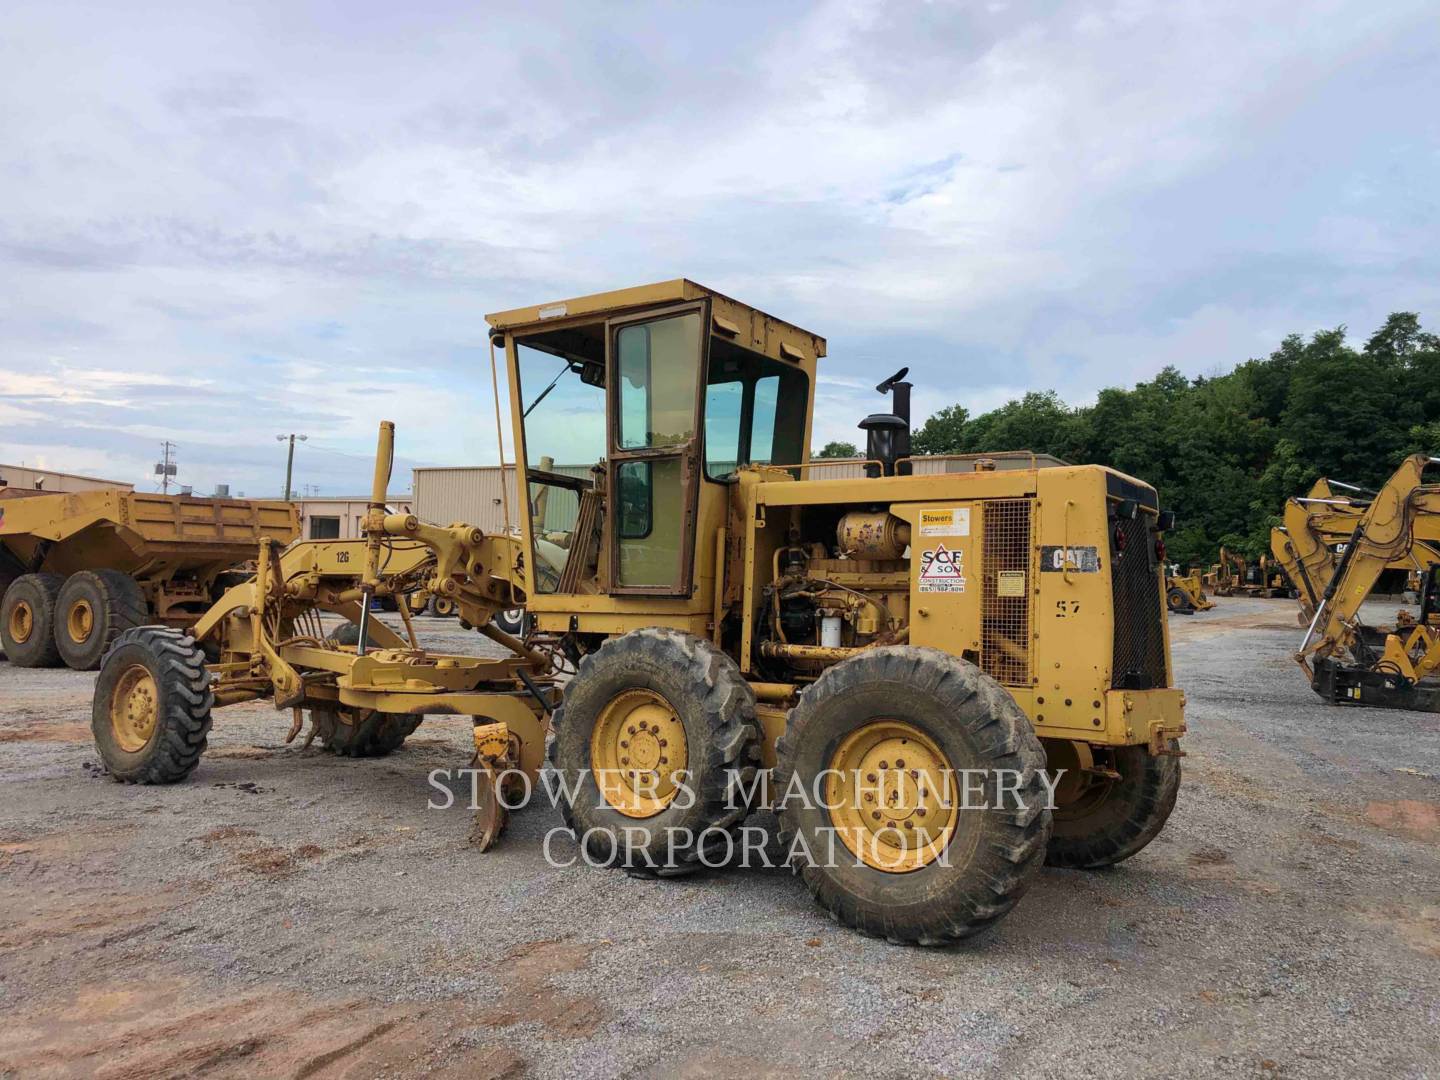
[[289, 913]]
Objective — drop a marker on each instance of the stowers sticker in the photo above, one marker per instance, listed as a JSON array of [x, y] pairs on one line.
[[942, 570], [954, 521]]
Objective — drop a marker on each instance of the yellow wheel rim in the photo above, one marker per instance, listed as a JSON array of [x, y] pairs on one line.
[[80, 621], [22, 623], [444, 607], [637, 748], [892, 796], [134, 708]]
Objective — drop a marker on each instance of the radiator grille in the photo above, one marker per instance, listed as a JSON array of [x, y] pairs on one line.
[[1139, 659], [1006, 569]]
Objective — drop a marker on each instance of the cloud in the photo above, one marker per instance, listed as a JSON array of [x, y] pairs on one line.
[[225, 224]]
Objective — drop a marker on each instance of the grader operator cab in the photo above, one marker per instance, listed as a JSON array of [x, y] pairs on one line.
[[899, 656]]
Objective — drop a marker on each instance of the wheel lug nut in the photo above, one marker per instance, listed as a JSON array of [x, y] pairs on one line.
[[920, 811], [875, 814], [624, 743], [870, 778], [884, 765], [899, 763], [631, 729], [664, 743]]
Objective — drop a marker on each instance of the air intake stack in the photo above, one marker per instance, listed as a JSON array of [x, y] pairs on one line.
[[887, 435]]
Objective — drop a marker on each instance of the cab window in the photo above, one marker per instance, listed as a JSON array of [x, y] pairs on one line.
[[754, 411]]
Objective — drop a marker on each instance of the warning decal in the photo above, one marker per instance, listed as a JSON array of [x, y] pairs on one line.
[[952, 522], [1010, 583], [942, 570]]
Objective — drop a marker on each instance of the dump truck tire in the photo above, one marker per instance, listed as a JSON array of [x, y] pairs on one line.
[[94, 608], [1113, 819], [879, 718], [649, 701], [1178, 602], [373, 734], [27, 620], [151, 712]]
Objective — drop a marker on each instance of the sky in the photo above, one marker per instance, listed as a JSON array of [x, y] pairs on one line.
[[220, 223]]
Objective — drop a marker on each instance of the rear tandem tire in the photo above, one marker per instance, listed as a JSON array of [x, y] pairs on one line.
[[946, 715], [27, 620], [151, 711], [1113, 819], [94, 608]]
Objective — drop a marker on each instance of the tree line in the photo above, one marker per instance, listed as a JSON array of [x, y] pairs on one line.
[[1225, 452]]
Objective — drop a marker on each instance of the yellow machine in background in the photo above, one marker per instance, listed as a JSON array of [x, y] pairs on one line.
[[1318, 526], [1348, 662], [78, 569], [1235, 575], [744, 633], [1185, 593]]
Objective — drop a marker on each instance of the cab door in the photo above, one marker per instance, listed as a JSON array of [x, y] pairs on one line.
[[655, 363]]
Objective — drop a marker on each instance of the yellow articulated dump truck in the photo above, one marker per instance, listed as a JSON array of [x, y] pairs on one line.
[[939, 683], [77, 569]]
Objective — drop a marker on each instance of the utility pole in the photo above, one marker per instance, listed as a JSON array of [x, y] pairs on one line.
[[166, 467], [290, 460]]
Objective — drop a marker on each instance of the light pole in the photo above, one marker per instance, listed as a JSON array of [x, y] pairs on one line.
[[290, 460]]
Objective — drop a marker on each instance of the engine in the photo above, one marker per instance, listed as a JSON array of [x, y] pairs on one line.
[[853, 593]]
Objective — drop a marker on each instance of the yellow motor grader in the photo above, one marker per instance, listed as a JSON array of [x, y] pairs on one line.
[[902, 666]]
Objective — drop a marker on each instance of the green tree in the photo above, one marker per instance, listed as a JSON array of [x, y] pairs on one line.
[[838, 450], [1225, 452]]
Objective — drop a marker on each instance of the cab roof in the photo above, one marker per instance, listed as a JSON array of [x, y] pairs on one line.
[[746, 326]]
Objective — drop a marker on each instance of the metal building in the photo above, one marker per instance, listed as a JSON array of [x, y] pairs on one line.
[[29, 479]]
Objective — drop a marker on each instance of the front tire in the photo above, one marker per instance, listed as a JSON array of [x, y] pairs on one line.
[[511, 621], [907, 865], [1101, 821], [151, 711], [94, 608], [366, 733], [665, 722], [27, 620]]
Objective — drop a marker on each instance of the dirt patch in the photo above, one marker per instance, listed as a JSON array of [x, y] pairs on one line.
[[271, 862], [1407, 817], [1209, 856], [531, 998], [244, 753], [105, 916], [42, 731], [221, 833], [119, 1031]]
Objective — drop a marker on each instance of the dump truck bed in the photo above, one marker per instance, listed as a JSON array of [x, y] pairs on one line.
[[140, 534]]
